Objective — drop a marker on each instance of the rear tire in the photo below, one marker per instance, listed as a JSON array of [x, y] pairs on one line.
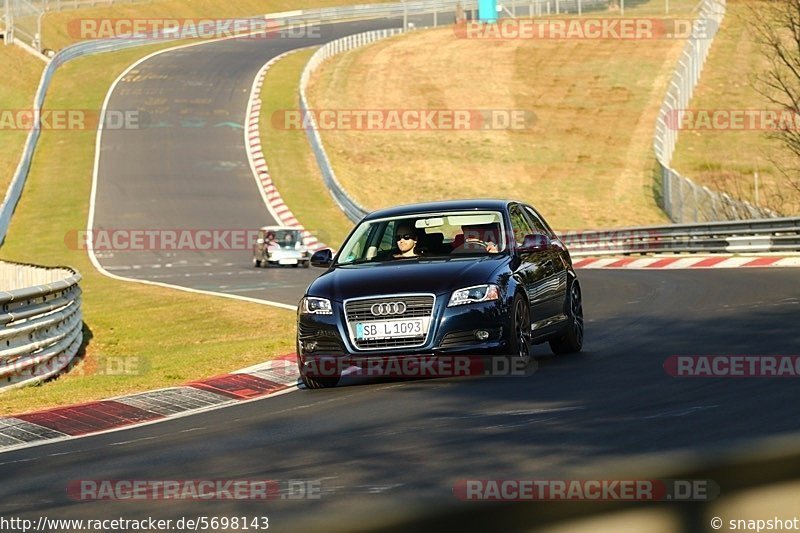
[[572, 339]]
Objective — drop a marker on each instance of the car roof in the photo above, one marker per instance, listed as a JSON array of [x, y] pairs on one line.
[[433, 207]]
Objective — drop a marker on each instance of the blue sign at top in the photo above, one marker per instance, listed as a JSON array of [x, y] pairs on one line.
[[487, 10]]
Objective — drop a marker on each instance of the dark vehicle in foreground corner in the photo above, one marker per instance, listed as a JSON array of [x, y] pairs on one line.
[[492, 278]]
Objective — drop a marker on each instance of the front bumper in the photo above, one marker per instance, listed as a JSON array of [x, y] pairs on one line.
[[453, 331], [287, 257]]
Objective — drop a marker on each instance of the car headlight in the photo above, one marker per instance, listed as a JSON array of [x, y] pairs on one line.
[[471, 295], [315, 306]]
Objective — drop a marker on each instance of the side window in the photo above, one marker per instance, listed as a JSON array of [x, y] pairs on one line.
[[519, 225], [537, 222]]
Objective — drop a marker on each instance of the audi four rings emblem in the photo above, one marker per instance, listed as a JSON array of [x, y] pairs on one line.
[[388, 308]]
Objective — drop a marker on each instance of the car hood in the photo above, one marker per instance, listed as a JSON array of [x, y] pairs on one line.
[[437, 276]]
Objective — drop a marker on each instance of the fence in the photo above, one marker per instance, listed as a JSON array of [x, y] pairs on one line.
[[681, 198], [744, 236], [41, 329], [23, 18]]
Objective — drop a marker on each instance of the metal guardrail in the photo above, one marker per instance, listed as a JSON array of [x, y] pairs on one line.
[[749, 236], [41, 329], [682, 199]]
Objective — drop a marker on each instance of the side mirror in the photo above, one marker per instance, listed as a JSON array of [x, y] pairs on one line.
[[322, 258], [535, 242]]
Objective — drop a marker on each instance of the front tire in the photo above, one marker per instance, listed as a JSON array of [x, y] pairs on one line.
[[318, 383], [520, 341], [314, 382], [572, 339]]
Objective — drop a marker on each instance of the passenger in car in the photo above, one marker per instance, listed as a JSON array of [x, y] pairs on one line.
[[477, 237]]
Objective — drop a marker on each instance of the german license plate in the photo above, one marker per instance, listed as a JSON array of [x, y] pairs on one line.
[[287, 261], [388, 329]]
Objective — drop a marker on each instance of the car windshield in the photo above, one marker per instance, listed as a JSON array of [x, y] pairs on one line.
[[448, 234], [286, 237]]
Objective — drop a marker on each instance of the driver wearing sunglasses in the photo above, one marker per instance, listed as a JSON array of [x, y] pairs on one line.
[[405, 237]]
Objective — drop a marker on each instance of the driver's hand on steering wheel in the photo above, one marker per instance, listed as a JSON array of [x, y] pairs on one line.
[[490, 246]]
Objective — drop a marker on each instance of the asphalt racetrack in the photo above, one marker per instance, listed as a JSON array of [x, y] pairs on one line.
[[385, 449], [381, 449], [185, 166]]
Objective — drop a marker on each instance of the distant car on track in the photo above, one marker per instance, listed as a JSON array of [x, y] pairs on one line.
[[489, 277], [280, 245]]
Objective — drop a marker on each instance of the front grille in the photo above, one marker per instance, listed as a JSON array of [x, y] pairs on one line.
[[417, 306]]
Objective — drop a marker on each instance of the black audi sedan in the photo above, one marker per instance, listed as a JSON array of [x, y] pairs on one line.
[[475, 277]]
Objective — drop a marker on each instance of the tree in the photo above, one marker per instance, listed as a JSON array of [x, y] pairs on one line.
[[776, 26]]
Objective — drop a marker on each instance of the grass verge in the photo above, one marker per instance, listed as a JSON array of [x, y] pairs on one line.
[[586, 161], [291, 162], [170, 336], [727, 159], [16, 93]]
